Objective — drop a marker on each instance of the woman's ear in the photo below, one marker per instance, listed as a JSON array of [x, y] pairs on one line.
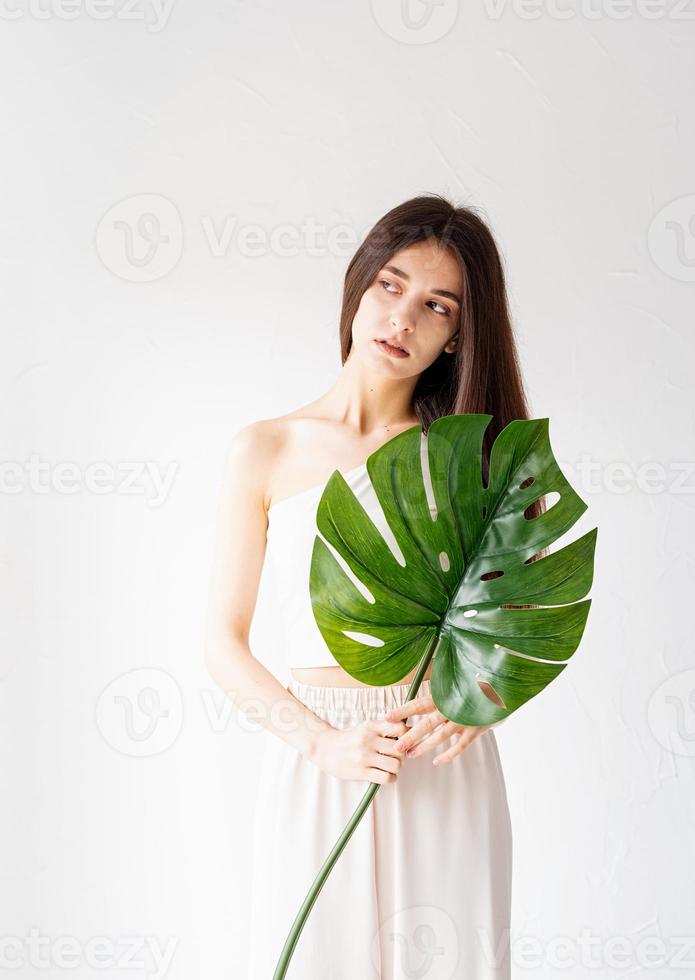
[[451, 347]]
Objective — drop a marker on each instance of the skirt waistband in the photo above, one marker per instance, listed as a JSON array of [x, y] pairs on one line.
[[347, 706]]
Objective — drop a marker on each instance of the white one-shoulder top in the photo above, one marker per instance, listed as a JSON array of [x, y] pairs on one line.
[[289, 545]]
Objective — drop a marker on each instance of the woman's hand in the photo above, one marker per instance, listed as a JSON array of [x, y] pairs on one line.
[[365, 752], [431, 730]]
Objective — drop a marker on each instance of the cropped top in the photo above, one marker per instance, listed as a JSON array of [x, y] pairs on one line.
[[289, 545]]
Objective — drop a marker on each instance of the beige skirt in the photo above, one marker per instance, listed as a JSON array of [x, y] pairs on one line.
[[423, 886]]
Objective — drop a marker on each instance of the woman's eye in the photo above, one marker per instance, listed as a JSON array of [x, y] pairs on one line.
[[445, 310], [385, 283]]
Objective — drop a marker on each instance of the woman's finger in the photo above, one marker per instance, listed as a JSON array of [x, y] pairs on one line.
[[441, 734], [463, 742], [389, 728], [413, 707]]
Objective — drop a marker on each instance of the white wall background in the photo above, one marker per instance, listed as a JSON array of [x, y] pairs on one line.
[[270, 137]]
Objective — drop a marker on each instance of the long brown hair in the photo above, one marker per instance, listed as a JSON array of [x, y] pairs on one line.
[[483, 375]]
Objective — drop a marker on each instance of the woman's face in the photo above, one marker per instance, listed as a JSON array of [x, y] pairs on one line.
[[414, 301]]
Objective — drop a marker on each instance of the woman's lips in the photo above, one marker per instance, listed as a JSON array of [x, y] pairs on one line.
[[391, 351]]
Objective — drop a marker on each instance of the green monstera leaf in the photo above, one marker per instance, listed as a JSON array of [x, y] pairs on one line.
[[453, 592]]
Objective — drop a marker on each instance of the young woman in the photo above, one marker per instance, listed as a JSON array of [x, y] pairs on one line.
[[423, 888]]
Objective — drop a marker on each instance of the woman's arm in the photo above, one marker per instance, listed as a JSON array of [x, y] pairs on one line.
[[239, 556]]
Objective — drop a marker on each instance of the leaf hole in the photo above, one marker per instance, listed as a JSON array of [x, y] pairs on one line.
[[470, 612], [486, 576], [366, 638], [527, 482], [490, 693], [532, 558], [553, 495], [444, 561]]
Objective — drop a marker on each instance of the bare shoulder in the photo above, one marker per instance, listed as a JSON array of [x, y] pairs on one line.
[[250, 457], [254, 444], [259, 449]]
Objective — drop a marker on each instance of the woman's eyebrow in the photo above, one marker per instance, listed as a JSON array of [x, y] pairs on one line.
[[438, 292]]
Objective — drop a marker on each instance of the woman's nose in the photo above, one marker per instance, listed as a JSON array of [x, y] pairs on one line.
[[402, 319]]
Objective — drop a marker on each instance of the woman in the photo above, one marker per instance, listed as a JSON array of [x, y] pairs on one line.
[[423, 888]]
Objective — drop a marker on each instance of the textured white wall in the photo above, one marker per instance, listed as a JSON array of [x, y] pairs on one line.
[[265, 140]]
